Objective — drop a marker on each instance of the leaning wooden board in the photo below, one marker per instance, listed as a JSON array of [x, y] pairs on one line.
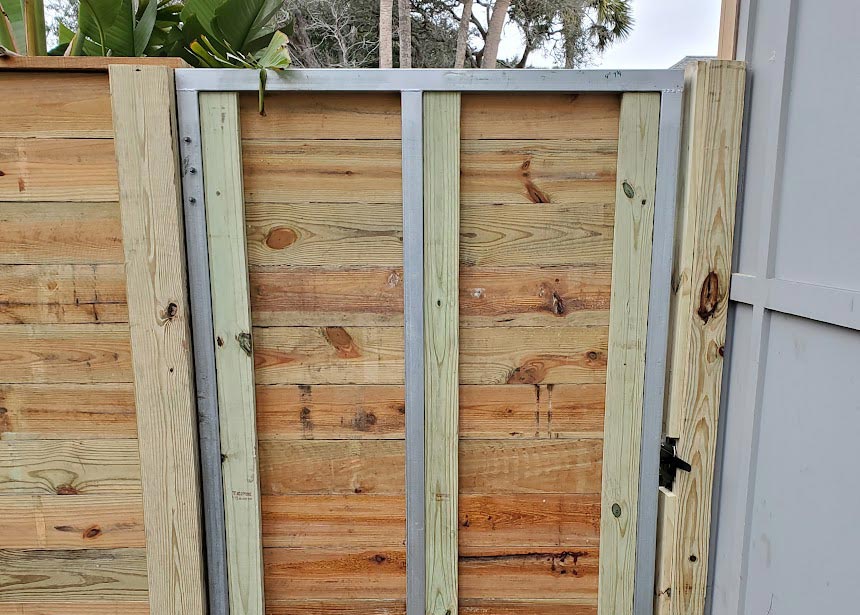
[[325, 254]]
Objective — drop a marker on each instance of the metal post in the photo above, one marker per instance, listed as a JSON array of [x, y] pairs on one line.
[[412, 152], [197, 255]]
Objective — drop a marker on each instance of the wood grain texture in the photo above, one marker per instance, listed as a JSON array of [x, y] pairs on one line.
[[321, 115], [142, 100], [320, 234], [530, 466], [72, 575], [667, 521], [69, 467], [538, 172], [71, 294], [334, 521], [533, 355], [81, 63], [102, 607], [336, 607], [628, 322], [328, 467], [57, 170], [569, 572], [313, 297], [540, 116], [234, 357], [363, 574], [545, 234], [699, 308], [529, 520], [728, 36], [328, 355], [543, 296], [81, 522], [304, 412], [528, 607], [441, 347], [521, 296], [531, 411], [53, 105], [60, 233], [67, 411], [359, 171], [398, 607], [65, 353]]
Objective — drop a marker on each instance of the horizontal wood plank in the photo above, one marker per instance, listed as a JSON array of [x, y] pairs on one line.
[[533, 171], [340, 574], [398, 607], [374, 355], [332, 521], [321, 115], [324, 234], [101, 607], [68, 294], [529, 520], [73, 575], [586, 606], [60, 233], [530, 466], [335, 607], [545, 234], [57, 170], [69, 467], [65, 353], [360, 171], [539, 116], [332, 467], [533, 355], [514, 573], [377, 466], [67, 411], [334, 355], [521, 296], [64, 522], [304, 412], [289, 296], [55, 105]]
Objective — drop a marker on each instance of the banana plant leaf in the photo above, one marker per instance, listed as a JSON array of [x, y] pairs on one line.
[[13, 33], [113, 28], [65, 37], [239, 22]]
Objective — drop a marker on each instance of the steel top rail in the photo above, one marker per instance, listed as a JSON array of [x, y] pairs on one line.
[[431, 79]]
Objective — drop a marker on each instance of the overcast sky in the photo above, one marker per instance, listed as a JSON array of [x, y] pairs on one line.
[[665, 31]]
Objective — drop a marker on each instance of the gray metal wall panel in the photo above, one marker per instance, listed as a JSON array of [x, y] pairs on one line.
[[784, 530]]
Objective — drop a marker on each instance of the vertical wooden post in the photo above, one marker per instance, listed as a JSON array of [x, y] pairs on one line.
[[142, 99], [234, 357], [728, 38], [703, 256], [441, 345], [625, 370]]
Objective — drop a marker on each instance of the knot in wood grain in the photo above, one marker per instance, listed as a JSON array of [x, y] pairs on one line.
[[709, 296], [342, 342], [281, 237]]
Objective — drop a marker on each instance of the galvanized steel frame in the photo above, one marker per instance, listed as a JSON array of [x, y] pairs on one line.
[[411, 84]]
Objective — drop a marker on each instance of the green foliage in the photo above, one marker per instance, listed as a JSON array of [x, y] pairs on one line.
[[13, 35]]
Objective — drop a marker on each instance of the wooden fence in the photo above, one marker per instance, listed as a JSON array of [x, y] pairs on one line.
[[538, 342]]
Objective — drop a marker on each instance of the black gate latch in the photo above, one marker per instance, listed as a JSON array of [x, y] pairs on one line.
[[670, 463]]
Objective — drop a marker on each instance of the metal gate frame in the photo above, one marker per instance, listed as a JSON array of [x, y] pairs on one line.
[[411, 84]]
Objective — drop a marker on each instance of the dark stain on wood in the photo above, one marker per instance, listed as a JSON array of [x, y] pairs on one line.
[[5, 421], [555, 560], [342, 342], [532, 372], [91, 532], [307, 423], [281, 237], [363, 420], [66, 490], [557, 304], [245, 343], [709, 296]]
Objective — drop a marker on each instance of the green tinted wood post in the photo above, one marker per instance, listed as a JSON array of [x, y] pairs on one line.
[[441, 345], [234, 357]]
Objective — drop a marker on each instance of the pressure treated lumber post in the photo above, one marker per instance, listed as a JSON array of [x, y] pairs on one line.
[[703, 253], [234, 357], [142, 99], [441, 345], [625, 370]]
